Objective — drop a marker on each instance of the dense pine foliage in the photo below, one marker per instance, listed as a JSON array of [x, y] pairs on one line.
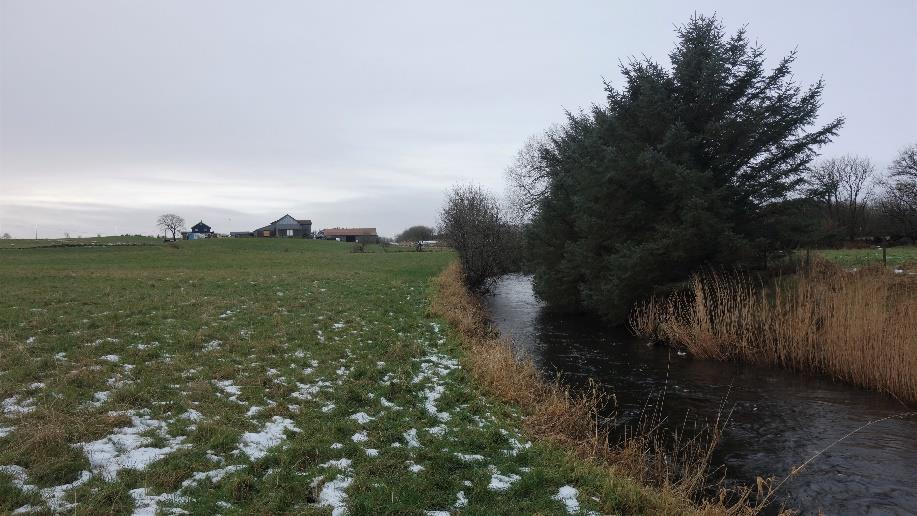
[[693, 164]]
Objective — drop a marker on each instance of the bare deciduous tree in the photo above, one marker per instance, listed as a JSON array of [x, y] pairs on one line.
[[528, 177], [471, 222], [6, 236], [900, 200], [844, 187], [170, 222]]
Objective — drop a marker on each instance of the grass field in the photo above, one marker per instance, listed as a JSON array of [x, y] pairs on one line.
[[254, 376], [904, 256]]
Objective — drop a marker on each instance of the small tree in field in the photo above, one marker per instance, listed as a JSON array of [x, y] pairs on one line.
[[170, 222], [472, 224], [6, 236]]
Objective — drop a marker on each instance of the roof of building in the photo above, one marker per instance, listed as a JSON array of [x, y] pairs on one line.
[[200, 227], [335, 232], [304, 221]]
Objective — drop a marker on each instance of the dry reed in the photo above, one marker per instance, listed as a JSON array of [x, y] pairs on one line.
[[856, 326], [674, 465]]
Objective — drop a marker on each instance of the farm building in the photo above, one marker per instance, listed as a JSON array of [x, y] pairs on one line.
[[284, 227], [198, 231], [364, 235]]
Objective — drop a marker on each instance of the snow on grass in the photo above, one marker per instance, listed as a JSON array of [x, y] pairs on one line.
[[306, 391], [437, 513], [213, 345], [362, 417], [54, 496], [256, 444], [99, 398], [111, 358], [127, 449], [371, 452], [333, 495], [460, 500], [359, 437], [5, 431], [410, 438], [500, 482], [567, 496], [414, 468], [469, 458], [230, 389], [12, 405]]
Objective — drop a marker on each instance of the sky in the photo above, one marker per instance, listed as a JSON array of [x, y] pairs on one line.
[[361, 114]]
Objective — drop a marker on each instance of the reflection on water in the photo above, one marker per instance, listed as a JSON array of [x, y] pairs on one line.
[[779, 418]]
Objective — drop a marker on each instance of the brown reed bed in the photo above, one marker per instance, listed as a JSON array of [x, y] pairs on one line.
[[656, 471], [856, 326]]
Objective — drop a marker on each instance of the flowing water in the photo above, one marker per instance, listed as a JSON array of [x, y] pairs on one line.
[[779, 418]]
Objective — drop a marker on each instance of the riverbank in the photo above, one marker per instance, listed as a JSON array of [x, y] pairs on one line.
[[629, 468], [856, 326], [863, 449]]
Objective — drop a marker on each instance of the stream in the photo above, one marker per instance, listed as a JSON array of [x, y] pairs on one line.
[[779, 418]]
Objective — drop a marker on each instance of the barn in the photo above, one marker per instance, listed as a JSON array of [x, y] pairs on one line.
[[363, 235]]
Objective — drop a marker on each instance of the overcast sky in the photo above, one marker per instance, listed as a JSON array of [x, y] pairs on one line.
[[360, 114]]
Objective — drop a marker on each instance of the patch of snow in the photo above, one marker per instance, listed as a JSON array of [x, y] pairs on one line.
[[411, 438], [99, 398], [371, 452], [502, 482], [37, 385], [438, 430], [127, 449], [567, 496], [256, 444], [388, 404], [333, 495], [460, 500], [213, 345], [362, 417], [111, 358], [337, 446], [328, 407], [359, 437], [192, 415], [31, 340], [437, 513], [231, 389], [341, 464], [54, 496], [12, 405], [307, 391], [469, 458], [5, 431]]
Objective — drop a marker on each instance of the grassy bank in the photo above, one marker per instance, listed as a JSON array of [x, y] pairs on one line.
[[252, 376], [856, 326]]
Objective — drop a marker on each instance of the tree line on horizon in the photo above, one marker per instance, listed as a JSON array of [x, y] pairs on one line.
[[707, 162]]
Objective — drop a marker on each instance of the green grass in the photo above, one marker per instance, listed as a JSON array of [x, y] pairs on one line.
[[98, 339], [904, 256]]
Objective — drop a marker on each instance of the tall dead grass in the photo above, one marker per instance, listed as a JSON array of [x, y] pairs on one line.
[[668, 468], [859, 327]]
